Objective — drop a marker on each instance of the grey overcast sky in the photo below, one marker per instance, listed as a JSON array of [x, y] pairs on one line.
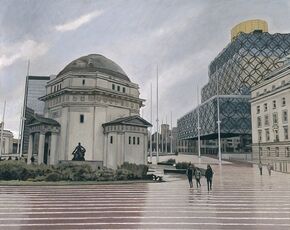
[[181, 36]]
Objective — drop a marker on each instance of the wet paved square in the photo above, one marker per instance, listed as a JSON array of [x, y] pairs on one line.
[[241, 199]]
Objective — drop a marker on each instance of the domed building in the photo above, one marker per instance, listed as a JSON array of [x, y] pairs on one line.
[[93, 102]]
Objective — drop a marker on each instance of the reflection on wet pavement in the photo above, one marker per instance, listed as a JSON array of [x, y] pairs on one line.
[[240, 199]]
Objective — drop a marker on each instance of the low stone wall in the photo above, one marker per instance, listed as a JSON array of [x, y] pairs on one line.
[[93, 164]]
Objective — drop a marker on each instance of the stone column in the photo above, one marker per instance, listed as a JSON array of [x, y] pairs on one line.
[[53, 149], [105, 150], [30, 148], [145, 144], [41, 148]]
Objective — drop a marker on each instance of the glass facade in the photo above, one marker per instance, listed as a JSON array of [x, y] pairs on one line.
[[34, 89], [235, 116], [244, 63]]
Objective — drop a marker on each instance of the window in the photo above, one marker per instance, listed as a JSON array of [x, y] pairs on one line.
[[274, 104], [276, 135], [134, 140], [277, 151], [259, 122], [111, 139], [258, 109], [267, 132], [283, 101], [265, 90], [129, 140], [124, 89], [285, 132], [138, 140], [283, 82], [275, 118], [82, 118], [84, 82], [54, 88], [287, 152], [265, 107], [257, 94], [260, 135], [113, 87], [268, 151], [273, 87], [284, 116], [267, 120], [118, 88]]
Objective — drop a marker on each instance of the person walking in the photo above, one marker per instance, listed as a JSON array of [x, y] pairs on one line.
[[197, 177], [260, 168], [209, 175], [269, 167], [189, 173]]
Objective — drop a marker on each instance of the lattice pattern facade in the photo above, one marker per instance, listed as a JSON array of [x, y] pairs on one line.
[[235, 116], [244, 63]]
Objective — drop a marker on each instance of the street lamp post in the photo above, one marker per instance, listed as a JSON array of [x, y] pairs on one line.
[[259, 144], [219, 123]]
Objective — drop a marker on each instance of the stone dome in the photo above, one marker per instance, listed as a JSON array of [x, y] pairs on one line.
[[93, 63]]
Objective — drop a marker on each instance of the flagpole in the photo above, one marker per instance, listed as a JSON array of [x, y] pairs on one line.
[[19, 133], [23, 118], [157, 121], [2, 129], [162, 139], [171, 132], [151, 115]]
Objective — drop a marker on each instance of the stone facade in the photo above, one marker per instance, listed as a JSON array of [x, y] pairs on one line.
[[7, 142], [270, 106], [88, 93]]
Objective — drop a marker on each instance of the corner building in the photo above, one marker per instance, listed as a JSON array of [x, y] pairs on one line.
[[91, 101], [241, 65], [270, 106]]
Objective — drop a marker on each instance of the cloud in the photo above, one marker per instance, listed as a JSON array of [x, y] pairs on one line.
[[73, 25], [28, 49]]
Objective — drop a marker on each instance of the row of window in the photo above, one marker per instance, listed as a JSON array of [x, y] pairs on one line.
[[132, 140], [273, 88], [277, 151], [275, 119], [275, 133], [274, 105], [55, 88], [118, 88]]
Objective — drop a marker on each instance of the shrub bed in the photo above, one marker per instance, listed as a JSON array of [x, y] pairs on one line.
[[18, 170]]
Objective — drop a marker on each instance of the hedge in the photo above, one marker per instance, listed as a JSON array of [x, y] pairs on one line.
[[18, 170]]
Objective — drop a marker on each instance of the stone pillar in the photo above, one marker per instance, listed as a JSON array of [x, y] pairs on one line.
[[105, 150], [123, 148], [30, 148], [41, 148], [145, 144], [53, 149]]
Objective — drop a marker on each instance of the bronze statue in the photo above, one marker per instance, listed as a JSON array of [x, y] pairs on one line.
[[79, 153]]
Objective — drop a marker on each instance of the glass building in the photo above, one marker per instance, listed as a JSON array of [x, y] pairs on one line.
[[242, 64], [34, 89]]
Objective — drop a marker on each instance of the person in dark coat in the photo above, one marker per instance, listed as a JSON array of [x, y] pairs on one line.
[[197, 177], [209, 175], [189, 173]]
